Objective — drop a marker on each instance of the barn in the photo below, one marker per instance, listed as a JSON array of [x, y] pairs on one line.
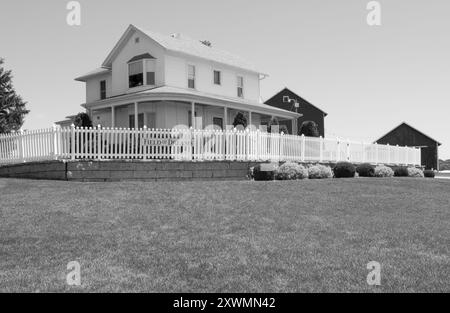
[[406, 135], [286, 99]]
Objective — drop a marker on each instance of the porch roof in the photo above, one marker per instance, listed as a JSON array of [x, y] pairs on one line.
[[169, 93]]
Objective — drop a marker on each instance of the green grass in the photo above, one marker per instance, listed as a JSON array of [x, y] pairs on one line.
[[291, 236]]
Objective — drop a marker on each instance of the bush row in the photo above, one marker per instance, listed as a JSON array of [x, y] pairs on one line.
[[293, 171]]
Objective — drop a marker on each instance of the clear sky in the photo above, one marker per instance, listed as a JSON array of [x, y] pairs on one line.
[[368, 79]]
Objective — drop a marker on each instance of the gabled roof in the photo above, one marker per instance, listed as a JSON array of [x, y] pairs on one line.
[[93, 73], [285, 89], [407, 125], [184, 45]]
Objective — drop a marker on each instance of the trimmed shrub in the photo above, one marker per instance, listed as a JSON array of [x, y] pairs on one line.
[[240, 119], [415, 172], [320, 171], [264, 171], [365, 170], [401, 172], [383, 171], [344, 170], [309, 129], [290, 170], [429, 173]]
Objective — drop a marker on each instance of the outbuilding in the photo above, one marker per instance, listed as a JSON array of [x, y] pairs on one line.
[[406, 135], [290, 101]]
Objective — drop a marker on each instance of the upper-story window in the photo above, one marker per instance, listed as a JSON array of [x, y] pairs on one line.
[[103, 89], [240, 87], [217, 77], [150, 68], [135, 74], [191, 76], [139, 65]]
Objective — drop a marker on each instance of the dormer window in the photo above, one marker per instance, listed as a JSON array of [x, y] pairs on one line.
[[139, 65]]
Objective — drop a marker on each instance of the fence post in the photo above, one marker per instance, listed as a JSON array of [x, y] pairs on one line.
[[321, 149], [247, 139], [21, 146], [338, 149], [389, 154], [55, 143], [303, 147], [376, 153], [407, 155], [99, 141], [72, 141], [363, 156], [348, 150], [397, 155]]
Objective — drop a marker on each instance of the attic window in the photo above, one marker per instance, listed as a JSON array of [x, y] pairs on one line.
[[136, 40]]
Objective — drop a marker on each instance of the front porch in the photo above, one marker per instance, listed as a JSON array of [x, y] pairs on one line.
[[158, 109]]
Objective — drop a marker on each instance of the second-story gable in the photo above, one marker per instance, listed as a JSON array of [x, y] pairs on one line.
[[142, 60], [139, 64]]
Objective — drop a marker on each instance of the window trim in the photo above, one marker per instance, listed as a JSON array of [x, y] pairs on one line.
[[214, 77], [238, 79], [144, 73], [101, 89], [195, 75]]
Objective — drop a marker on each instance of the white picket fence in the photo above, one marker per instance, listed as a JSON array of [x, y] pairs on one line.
[[192, 145]]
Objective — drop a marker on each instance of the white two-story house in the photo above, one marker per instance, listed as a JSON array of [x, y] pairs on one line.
[[158, 81]]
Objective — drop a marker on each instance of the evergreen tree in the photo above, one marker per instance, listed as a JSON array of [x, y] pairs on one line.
[[12, 107], [82, 120]]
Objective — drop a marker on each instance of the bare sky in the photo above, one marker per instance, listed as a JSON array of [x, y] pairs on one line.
[[368, 79]]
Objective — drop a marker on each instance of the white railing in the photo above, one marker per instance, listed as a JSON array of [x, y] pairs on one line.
[[192, 145]]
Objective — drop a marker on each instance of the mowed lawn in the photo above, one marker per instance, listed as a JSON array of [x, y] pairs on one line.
[[294, 236]]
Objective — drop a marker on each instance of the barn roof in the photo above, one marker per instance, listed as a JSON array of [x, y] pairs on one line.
[[306, 101], [414, 129]]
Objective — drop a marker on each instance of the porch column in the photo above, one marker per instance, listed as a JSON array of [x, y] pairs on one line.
[[294, 126], [249, 118], [113, 116], [193, 114], [225, 117], [136, 120]]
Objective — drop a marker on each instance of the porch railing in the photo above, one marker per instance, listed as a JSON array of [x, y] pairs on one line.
[[192, 145]]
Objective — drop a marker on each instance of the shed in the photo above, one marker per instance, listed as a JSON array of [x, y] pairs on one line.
[[406, 135]]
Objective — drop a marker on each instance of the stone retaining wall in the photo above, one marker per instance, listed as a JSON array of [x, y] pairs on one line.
[[81, 170]]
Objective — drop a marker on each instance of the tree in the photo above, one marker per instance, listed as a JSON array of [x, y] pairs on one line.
[[12, 107], [240, 119], [82, 120], [309, 129]]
